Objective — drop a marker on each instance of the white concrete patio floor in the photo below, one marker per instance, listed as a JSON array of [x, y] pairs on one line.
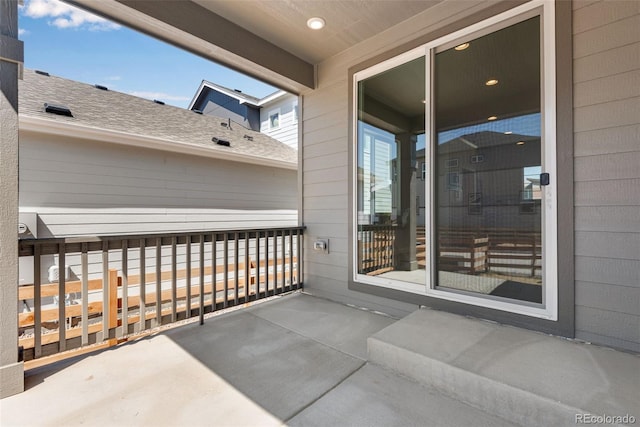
[[298, 360]]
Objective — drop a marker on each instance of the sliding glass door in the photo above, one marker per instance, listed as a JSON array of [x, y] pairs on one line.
[[488, 161], [455, 147]]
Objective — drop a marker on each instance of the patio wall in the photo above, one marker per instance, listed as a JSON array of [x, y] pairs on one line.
[[606, 158], [607, 154]]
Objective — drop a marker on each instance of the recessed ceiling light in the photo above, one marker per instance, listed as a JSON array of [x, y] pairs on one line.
[[508, 132], [316, 23], [520, 143], [424, 101], [492, 118], [491, 82], [462, 46]]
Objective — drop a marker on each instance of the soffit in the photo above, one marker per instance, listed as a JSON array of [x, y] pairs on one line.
[[348, 22]]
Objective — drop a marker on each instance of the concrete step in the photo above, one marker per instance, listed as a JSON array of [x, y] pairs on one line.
[[528, 378]]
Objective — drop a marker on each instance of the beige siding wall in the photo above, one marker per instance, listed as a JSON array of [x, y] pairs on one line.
[[607, 171], [607, 155], [90, 188]]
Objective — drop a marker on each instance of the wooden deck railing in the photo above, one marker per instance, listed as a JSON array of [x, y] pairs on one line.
[[495, 250], [123, 285], [462, 253], [375, 249]]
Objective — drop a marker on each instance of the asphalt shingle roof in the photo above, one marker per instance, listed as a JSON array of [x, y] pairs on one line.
[[116, 111]]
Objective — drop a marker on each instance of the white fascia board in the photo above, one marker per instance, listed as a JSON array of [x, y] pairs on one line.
[[270, 98], [48, 127], [197, 95], [241, 97]]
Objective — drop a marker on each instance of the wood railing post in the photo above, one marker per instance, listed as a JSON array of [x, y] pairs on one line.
[[113, 303]]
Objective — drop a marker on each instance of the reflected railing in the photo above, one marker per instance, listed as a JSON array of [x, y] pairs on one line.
[[499, 251]]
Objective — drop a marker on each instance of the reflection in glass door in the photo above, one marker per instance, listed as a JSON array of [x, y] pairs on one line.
[[390, 147], [487, 160]]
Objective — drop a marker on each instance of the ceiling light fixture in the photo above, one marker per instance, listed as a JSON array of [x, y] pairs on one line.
[[492, 118], [508, 132], [520, 143], [462, 46], [316, 23], [491, 82]]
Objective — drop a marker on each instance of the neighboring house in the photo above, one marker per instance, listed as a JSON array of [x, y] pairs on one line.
[[121, 165], [275, 115]]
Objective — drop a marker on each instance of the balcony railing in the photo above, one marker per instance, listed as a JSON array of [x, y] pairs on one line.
[[105, 289]]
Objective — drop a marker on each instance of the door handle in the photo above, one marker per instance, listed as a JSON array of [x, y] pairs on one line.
[[544, 179]]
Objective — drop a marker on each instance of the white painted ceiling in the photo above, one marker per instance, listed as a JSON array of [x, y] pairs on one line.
[[284, 22]]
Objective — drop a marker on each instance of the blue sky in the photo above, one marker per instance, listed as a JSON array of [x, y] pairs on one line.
[[73, 44]]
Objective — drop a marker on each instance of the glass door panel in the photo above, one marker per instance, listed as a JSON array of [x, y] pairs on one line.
[[487, 160], [390, 148]]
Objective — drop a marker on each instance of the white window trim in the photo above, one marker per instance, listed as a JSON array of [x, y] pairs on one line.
[[549, 307]]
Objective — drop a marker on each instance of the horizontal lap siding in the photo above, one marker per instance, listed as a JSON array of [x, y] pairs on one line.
[[607, 172], [89, 188]]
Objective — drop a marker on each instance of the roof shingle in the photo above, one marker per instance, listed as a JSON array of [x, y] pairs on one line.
[[116, 111]]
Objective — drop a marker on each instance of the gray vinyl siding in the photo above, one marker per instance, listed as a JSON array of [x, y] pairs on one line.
[[221, 105], [91, 188], [607, 172]]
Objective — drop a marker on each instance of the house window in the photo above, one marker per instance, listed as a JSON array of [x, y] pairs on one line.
[[274, 119], [478, 158], [452, 163], [295, 113], [493, 97]]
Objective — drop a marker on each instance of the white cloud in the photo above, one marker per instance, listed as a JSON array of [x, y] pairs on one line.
[[113, 78], [22, 32], [159, 95], [66, 16]]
